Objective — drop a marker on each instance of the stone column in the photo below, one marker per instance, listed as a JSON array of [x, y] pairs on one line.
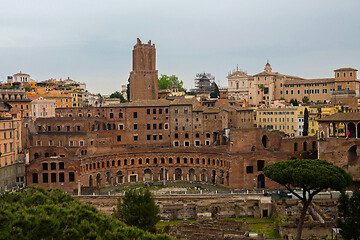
[[79, 188]]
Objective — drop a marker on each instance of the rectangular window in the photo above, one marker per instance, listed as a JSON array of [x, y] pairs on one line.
[[148, 111], [154, 137], [154, 126], [148, 137], [148, 126], [136, 137], [81, 143], [260, 165], [160, 126], [121, 127], [249, 169], [71, 143], [71, 177], [120, 115], [35, 178], [135, 114], [166, 126], [176, 135], [186, 143], [45, 177], [53, 177], [61, 165], [160, 137], [176, 143], [44, 166], [119, 138], [160, 111], [53, 166], [61, 177], [154, 111], [135, 126]]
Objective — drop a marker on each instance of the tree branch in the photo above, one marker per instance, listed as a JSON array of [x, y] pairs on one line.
[[292, 191]]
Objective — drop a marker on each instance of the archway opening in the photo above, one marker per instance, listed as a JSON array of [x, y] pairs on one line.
[[352, 155], [305, 146], [203, 175], [98, 180], [213, 177], [178, 174], [261, 181], [119, 177], [192, 175], [351, 133], [108, 178], [265, 141], [90, 181], [162, 172], [147, 175]]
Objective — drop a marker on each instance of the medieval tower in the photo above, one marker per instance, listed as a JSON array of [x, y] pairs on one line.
[[144, 76]]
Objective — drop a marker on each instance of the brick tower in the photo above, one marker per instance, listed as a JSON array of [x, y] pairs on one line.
[[144, 76]]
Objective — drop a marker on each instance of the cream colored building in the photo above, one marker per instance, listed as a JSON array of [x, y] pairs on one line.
[[239, 85]]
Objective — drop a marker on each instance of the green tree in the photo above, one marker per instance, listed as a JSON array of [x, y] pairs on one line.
[[306, 123], [305, 99], [36, 213], [128, 90], [138, 209], [167, 82], [309, 175], [294, 102], [215, 92], [349, 215], [117, 94]]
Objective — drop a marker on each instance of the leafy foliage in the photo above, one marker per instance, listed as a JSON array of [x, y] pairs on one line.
[[349, 215], [138, 209], [36, 213], [305, 99], [294, 102], [167, 82], [117, 94], [215, 91], [311, 175]]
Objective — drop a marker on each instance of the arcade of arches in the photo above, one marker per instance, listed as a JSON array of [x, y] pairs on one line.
[[97, 172]]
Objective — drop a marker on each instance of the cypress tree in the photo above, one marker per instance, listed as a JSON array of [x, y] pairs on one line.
[[306, 122]]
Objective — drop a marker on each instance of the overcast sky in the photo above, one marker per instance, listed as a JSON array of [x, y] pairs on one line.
[[91, 41]]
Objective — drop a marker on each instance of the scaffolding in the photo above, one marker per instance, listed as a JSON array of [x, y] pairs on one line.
[[204, 82]]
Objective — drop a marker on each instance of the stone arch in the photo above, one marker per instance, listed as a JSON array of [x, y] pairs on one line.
[[261, 181], [203, 175], [352, 155], [213, 177], [192, 175], [265, 141], [147, 177], [351, 133], [119, 177], [98, 179], [90, 181], [108, 178], [221, 177], [161, 174], [178, 174]]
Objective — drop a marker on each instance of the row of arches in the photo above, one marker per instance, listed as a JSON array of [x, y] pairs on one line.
[[134, 162], [305, 146], [154, 174]]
